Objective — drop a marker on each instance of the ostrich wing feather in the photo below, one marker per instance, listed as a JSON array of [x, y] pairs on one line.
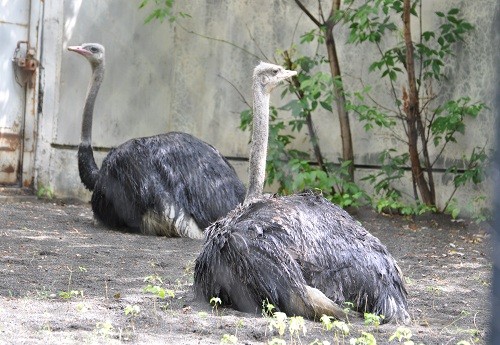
[[277, 247]]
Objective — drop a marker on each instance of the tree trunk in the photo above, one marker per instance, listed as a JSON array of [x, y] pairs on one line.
[[412, 110], [345, 127]]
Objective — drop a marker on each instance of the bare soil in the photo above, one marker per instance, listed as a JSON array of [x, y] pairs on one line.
[[66, 280]]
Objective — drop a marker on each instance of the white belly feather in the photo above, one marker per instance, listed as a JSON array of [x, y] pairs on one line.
[[172, 222]]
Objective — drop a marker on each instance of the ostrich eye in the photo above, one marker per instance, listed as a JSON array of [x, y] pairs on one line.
[[94, 49], [275, 71]]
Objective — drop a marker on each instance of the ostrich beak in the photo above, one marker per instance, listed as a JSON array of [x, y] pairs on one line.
[[288, 74], [79, 50]]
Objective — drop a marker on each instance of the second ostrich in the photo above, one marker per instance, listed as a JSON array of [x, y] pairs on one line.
[[171, 184], [300, 253]]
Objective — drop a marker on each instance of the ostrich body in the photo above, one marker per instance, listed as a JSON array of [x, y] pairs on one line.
[[301, 253], [170, 184]]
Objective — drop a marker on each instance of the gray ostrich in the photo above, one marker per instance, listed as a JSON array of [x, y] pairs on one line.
[[171, 184], [301, 253]]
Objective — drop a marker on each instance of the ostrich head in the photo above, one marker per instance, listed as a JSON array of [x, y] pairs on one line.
[[93, 52], [267, 76]]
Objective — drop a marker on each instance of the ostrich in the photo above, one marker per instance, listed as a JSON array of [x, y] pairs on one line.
[[170, 184], [301, 253]]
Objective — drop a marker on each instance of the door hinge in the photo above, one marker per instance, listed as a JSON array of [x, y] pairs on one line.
[[25, 63]]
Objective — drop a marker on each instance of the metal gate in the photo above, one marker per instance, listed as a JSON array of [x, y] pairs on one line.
[[19, 22]]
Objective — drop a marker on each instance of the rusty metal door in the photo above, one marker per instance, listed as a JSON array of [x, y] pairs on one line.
[[18, 79]]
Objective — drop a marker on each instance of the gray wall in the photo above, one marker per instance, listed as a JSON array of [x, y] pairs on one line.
[[162, 78]]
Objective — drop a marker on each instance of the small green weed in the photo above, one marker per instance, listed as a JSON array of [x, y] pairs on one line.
[[364, 339], [372, 319], [70, 294], [229, 339], [44, 192], [267, 308], [215, 302], [278, 323], [402, 334], [340, 328], [155, 288], [296, 327], [132, 310]]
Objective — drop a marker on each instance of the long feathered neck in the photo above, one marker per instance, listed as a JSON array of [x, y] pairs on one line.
[[258, 146], [88, 110], [86, 163]]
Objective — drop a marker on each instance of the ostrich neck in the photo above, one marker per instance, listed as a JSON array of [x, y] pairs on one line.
[[258, 146], [88, 110]]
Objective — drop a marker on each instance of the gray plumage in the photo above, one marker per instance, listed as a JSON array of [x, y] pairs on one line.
[[171, 184], [301, 253], [274, 248]]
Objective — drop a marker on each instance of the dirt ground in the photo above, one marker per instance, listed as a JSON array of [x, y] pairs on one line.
[[66, 280]]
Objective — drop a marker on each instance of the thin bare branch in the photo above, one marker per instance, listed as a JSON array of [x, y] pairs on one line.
[[320, 11], [219, 40], [237, 90], [398, 114], [309, 14], [256, 43], [295, 30]]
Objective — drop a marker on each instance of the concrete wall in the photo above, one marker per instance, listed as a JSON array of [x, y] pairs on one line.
[[163, 78]]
